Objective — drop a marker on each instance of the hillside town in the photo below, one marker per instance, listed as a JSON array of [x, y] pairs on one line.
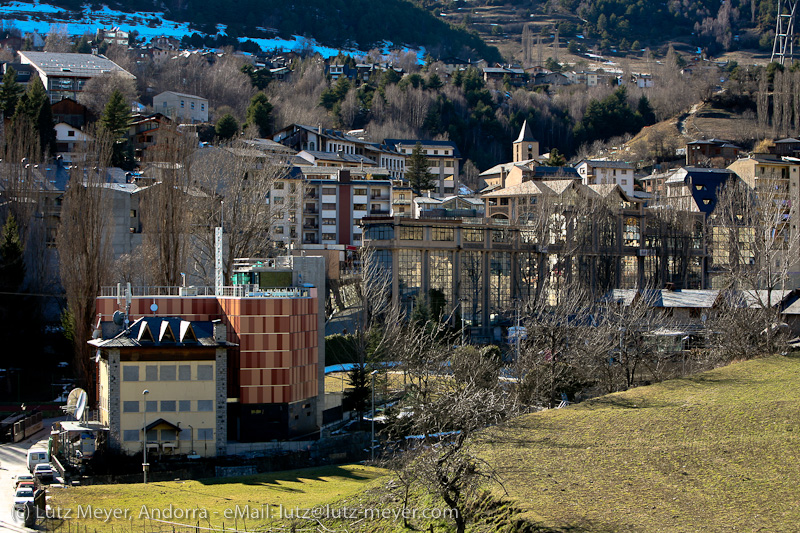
[[231, 287]]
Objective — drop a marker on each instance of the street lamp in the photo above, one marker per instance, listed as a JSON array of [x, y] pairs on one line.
[[372, 442], [144, 435]]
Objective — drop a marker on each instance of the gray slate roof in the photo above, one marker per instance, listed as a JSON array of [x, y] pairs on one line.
[[73, 65]]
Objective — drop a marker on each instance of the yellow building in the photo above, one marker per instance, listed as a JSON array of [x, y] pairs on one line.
[[169, 376]]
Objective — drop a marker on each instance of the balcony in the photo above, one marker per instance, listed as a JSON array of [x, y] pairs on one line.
[[310, 240], [379, 212], [310, 210], [310, 226]]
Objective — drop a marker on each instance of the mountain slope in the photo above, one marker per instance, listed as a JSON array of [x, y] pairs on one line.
[[361, 24]]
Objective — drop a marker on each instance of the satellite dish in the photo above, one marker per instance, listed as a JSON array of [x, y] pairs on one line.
[[154, 307], [119, 317], [80, 407], [72, 400]]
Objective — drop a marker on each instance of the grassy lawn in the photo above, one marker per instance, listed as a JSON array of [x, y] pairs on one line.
[[257, 496], [717, 452]]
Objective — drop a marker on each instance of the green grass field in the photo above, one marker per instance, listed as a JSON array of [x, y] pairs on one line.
[[717, 452], [225, 500]]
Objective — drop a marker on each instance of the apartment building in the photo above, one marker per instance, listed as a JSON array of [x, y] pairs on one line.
[[181, 107], [601, 172], [317, 140], [444, 160], [327, 208], [64, 74], [162, 380], [272, 376]]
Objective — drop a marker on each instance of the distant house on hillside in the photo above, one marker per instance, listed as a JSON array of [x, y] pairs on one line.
[[183, 108], [717, 152]]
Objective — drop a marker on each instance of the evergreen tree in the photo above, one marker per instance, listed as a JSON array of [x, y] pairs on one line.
[[34, 106], [646, 111], [556, 159], [10, 92], [418, 174], [259, 114], [12, 261], [227, 127], [116, 116], [357, 397], [115, 120]]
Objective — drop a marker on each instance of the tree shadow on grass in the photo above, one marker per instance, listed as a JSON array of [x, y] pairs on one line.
[[277, 479]]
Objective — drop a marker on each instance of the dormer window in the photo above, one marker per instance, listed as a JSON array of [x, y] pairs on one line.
[[166, 334]]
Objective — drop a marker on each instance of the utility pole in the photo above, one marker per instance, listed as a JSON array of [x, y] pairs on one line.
[[145, 466], [372, 441]]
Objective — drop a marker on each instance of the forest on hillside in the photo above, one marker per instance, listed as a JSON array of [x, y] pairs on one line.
[[361, 24]]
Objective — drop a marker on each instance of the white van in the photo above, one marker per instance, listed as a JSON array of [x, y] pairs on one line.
[[37, 456]]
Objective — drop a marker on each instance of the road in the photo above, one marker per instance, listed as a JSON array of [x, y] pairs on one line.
[[13, 462]]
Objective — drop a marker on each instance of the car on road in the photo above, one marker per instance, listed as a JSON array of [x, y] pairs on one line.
[[22, 497], [25, 485], [43, 472]]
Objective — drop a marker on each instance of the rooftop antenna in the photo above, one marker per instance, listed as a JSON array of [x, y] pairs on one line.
[[218, 261], [127, 320]]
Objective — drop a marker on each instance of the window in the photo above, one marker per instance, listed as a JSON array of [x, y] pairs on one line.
[[185, 434], [381, 232], [473, 235], [184, 405], [184, 373], [410, 233], [130, 373], [151, 373], [358, 192], [279, 186], [70, 133], [205, 434], [442, 234], [205, 373], [133, 213], [278, 200], [130, 407], [202, 107], [328, 236], [131, 435], [205, 405], [181, 104], [168, 434], [151, 407], [168, 406], [192, 105], [623, 182], [332, 190], [359, 207], [329, 207], [152, 435], [328, 221], [168, 372]]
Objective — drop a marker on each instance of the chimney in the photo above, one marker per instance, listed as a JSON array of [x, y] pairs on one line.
[[344, 176], [502, 177], [220, 331]]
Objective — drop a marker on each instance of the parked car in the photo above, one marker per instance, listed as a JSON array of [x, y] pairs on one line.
[[25, 485], [43, 472], [21, 498]]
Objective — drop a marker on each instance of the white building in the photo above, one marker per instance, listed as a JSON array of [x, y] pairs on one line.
[[183, 108], [597, 172]]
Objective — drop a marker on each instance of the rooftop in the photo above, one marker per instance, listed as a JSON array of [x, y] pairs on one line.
[[72, 65]]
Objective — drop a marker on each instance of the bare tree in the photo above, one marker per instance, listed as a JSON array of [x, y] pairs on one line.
[[98, 90], [237, 180], [84, 247], [755, 250], [58, 40], [168, 208], [444, 411]]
